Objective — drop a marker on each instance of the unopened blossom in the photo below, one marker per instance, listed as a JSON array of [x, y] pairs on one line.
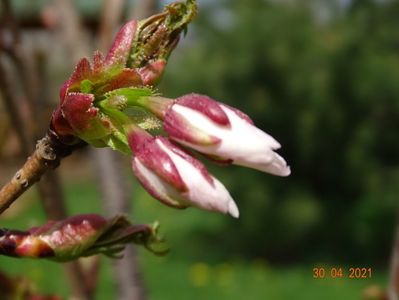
[[111, 100], [218, 130], [78, 115], [74, 237], [136, 59], [174, 177]]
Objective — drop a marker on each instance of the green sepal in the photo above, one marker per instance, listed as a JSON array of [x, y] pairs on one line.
[[118, 141], [132, 94], [121, 232], [86, 86]]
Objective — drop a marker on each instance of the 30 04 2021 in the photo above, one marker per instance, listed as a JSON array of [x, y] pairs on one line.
[[339, 272]]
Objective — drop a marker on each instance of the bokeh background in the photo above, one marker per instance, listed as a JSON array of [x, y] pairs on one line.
[[323, 78]]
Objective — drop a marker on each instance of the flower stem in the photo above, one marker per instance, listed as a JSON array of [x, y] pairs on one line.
[[157, 105]]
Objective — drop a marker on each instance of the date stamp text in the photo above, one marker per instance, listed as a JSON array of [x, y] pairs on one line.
[[340, 272]]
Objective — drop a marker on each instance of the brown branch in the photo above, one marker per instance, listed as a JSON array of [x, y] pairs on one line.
[[47, 156], [48, 153]]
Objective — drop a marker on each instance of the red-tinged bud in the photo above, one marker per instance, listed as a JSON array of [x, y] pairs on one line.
[[220, 131], [78, 114], [151, 73], [98, 62], [64, 90], [86, 120], [174, 122], [136, 60], [126, 78], [82, 71], [71, 237], [120, 49], [174, 177], [157, 36], [146, 149], [59, 124], [21, 244], [77, 236], [108, 69]]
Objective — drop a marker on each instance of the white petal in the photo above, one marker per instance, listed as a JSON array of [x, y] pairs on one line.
[[201, 193], [157, 184], [244, 143], [276, 166], [233, 210]]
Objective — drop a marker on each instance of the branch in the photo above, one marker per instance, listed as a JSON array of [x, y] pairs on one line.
[[47, 156], [48, 153]]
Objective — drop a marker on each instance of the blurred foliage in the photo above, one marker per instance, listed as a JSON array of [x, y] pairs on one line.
[[26, 9], [326, 86], [328, 90], [190, 270]]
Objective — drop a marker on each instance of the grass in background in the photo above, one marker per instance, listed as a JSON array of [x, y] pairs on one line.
[[190, 271]]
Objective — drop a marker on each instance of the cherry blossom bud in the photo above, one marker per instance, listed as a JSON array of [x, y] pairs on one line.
[[220, 131], [152, 72], [174, 177], [87, 121], [120, 49], [74, 237]]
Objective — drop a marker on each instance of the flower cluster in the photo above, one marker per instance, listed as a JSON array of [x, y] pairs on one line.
[[112, 102], [78, 236]]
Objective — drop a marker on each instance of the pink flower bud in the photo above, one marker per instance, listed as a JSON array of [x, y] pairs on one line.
[[74, 237], [120, 49], [174, 177], [86, 120], [152, 72], [78, 114], [218, 130]]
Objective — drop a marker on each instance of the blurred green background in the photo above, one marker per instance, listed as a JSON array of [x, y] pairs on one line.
[[322, 77]]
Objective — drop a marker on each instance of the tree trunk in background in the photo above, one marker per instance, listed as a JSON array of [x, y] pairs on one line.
[[144, 8], [116, 194], [110, 166], [50, 190], [109, 23], [69, 26]]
